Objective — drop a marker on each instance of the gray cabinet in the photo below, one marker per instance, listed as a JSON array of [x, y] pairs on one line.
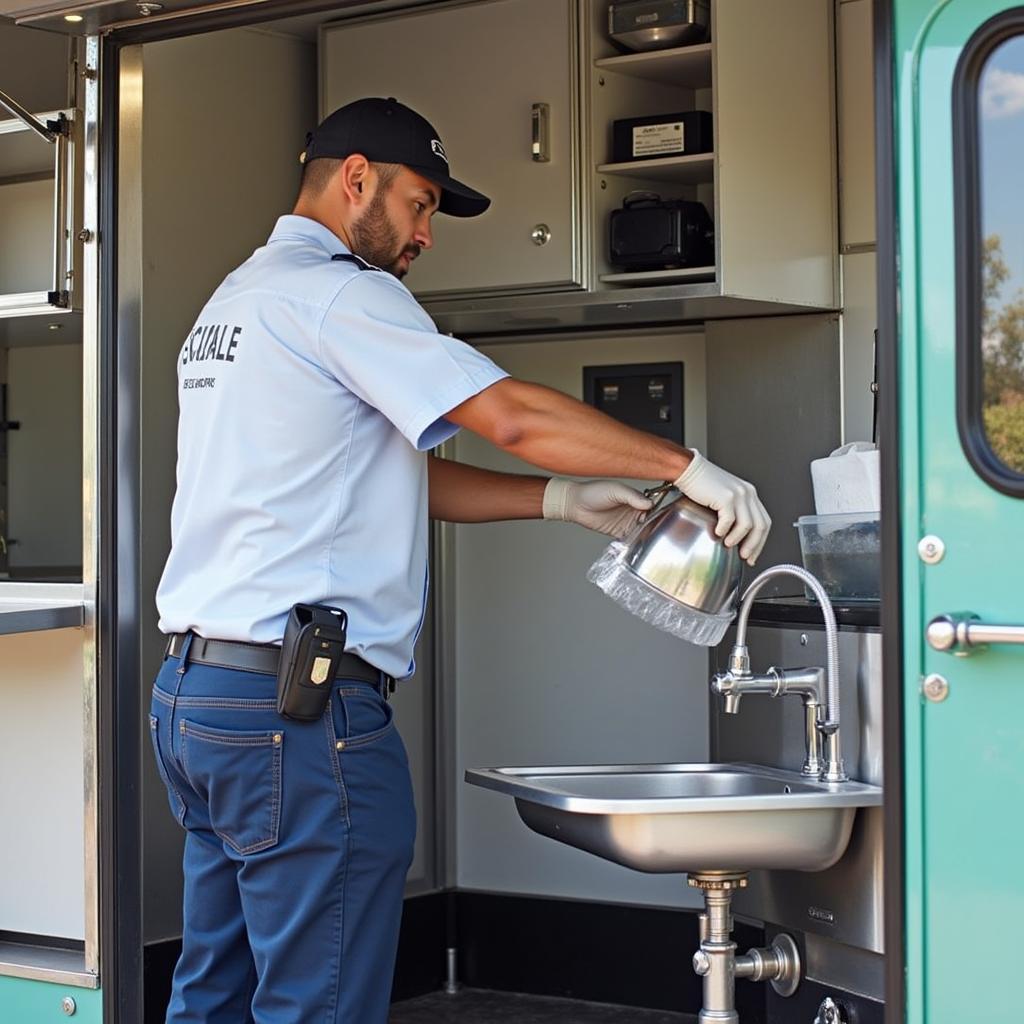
[[769, 182], [475, 72], [856, 80]]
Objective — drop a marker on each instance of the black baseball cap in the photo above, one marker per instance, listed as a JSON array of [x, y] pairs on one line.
[[386, 131]]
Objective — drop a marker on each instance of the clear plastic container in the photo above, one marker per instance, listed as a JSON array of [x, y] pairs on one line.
[[844, 551]]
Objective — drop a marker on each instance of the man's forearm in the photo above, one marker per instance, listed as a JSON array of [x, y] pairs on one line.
[[562, 435], [466, 494]]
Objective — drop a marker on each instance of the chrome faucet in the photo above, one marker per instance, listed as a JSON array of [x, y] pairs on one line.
[[819, 688]]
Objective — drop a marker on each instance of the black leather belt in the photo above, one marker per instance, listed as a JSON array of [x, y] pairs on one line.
[[264, 658]]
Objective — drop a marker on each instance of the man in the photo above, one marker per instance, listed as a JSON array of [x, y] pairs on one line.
[[310, 389]]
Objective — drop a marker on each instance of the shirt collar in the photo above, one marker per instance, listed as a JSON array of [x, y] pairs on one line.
[[291, 226]]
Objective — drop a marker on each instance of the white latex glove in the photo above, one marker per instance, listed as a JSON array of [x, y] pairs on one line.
[[603, 505], [742, 518]]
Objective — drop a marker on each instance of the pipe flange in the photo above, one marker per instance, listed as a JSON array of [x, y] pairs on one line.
[[722, 881], [790, 968]]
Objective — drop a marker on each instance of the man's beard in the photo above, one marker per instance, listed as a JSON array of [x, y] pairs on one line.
[[376, 241]]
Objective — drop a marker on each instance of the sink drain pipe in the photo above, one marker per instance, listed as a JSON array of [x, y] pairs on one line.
[[716, 960]]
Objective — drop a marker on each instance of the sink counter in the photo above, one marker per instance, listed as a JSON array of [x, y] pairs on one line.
[[27, 607]]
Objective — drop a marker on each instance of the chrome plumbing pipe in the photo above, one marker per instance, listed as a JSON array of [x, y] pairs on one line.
[[716, 961]]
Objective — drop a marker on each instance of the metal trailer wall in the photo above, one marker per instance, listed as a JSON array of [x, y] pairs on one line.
[[547, 670], [44, 464], [223, 120], [42, 874]]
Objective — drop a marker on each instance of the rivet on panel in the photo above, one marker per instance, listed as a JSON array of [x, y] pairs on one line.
[[931, 549], [935, 688], [277, 737], [68, 1005], [340, 744]]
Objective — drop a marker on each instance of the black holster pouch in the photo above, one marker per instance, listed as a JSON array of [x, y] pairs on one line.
[[314, 641]]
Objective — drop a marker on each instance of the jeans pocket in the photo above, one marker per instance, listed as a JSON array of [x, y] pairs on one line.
[[173, 796], [360, 714], [238, 773]]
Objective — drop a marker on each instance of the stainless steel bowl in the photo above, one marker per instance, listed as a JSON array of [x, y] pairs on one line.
[[676, 551]]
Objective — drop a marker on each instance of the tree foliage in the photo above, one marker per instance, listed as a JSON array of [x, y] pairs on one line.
[[1003, 352], [1004, 427]]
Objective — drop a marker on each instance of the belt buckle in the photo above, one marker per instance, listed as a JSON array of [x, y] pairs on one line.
[[387, 686]]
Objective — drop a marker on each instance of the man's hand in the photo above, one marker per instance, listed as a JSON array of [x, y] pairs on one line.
[[741, 516], [603, 505]]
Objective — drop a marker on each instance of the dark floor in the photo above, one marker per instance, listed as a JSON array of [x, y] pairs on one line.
[[475, 1006]]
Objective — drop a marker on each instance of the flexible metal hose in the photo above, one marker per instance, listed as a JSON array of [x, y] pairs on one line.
[[831, 724]]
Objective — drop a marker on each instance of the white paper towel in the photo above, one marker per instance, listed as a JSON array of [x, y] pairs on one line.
[[848, 480]]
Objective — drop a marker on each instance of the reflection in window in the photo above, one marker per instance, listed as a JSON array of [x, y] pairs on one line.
[[1001, 156]]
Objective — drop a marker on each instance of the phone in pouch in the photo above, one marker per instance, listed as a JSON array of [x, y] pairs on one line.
[[314, 641]]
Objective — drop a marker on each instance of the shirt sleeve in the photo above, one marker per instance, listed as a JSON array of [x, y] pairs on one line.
[[379, 343]]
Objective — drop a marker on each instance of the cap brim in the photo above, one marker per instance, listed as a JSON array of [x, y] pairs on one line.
[[457, 199]]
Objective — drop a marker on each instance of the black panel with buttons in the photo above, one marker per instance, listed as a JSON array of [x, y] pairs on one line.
[[648, 396]]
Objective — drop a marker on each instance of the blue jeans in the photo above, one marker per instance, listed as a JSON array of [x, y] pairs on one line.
[[299, 837]]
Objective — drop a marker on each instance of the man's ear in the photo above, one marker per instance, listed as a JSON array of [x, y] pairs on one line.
[[354, 172]]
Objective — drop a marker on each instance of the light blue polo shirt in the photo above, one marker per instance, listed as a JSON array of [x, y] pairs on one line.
[[309, 391]]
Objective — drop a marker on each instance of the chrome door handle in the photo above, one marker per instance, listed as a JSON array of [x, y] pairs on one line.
[[963, 633], [540, 150]]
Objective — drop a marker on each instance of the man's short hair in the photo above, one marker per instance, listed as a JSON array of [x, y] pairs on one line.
[[317, 173]]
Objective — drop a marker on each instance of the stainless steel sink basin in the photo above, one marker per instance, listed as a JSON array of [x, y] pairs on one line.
[[687, 817]]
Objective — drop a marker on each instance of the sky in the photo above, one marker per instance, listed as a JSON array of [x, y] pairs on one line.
[[1002, 155]]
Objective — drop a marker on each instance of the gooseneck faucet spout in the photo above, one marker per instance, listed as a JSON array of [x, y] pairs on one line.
[[739, 680]]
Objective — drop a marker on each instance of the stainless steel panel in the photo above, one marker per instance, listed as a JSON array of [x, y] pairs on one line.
[[442, 575], [843, 903], [847, 967], [486, 130], [774, 404], [92, 486]]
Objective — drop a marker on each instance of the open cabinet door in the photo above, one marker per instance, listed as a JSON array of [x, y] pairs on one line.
[[959, 66]]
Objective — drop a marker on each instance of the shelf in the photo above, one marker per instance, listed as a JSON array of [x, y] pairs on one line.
[[660, 276], [686, 66], [45, 963], [616, 307], [28, 607], [696, 169], [798, 611], [45, 325]]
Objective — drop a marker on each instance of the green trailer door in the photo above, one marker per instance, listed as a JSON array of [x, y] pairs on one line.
[[959, 75]]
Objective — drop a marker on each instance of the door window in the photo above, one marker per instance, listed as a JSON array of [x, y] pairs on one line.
[[990, 210]]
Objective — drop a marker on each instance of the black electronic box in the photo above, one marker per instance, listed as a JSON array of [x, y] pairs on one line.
[[657, 136], [650, 233]]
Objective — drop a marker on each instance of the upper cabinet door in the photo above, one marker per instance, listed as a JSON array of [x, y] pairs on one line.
[[36, 215], [476, 73]]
